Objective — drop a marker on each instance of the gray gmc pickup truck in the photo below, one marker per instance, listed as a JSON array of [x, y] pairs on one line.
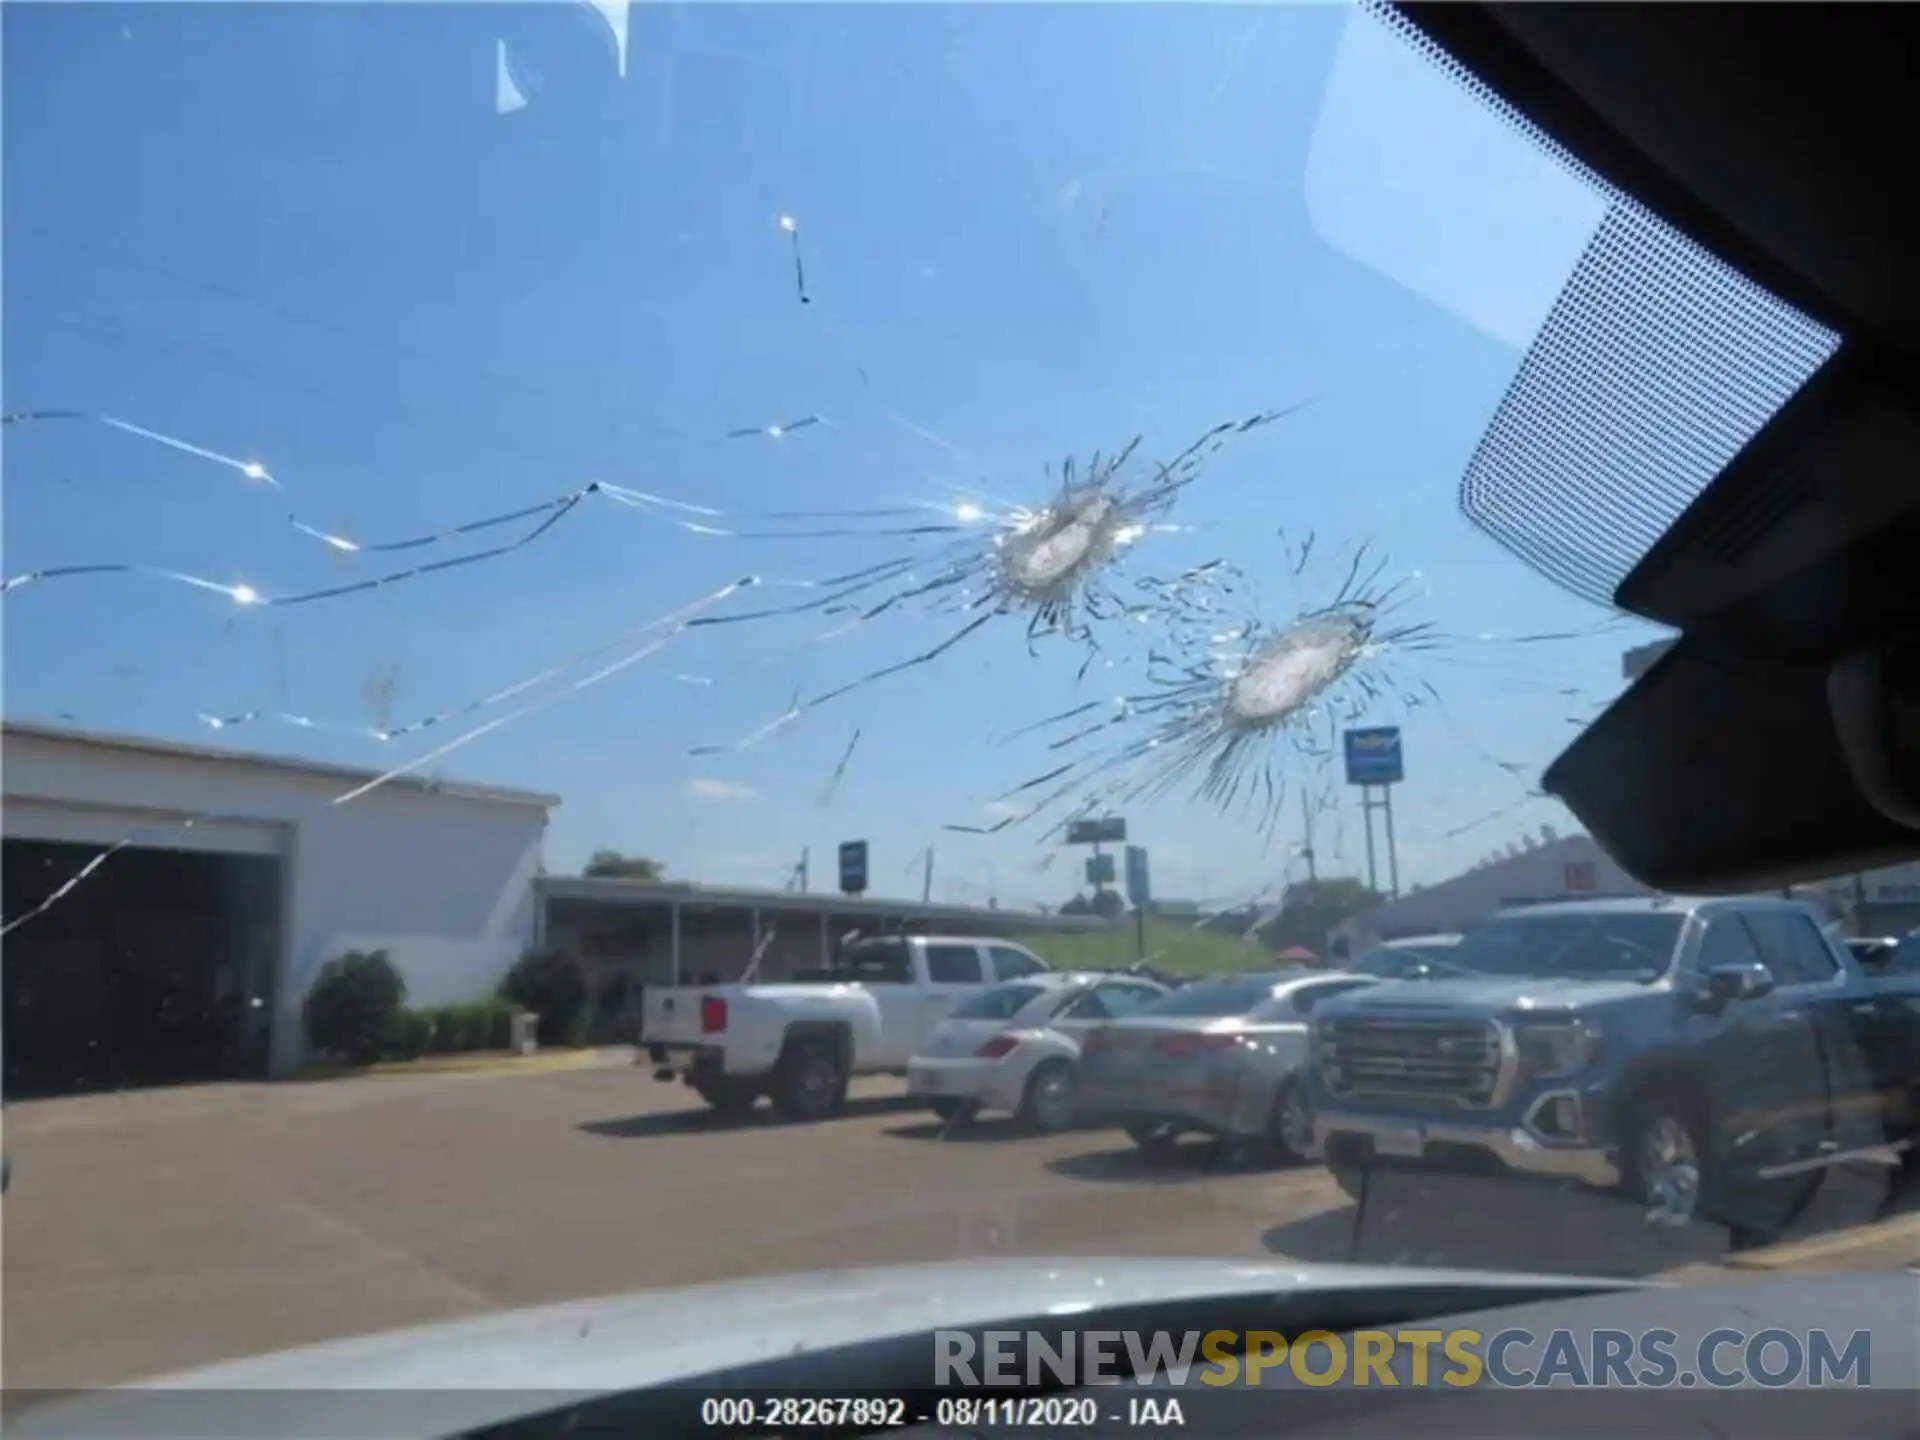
[[1710, 1058]]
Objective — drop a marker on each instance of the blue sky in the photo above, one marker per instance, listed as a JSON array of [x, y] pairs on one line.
[[309, 236]]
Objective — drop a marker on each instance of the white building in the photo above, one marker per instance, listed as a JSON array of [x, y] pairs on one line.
[[1879, 902], [188, 951], [1571, 867]]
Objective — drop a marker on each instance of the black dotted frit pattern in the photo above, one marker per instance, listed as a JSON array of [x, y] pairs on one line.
[[1656, 364]]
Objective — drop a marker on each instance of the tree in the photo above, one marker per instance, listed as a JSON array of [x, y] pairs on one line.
[[1107, 904], [1311, 908], [1077, 906], [612, 863]]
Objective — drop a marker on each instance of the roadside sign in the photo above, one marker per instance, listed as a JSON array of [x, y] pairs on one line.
[[1108, 830], [1100, 869], [1373, 756], [1580, 876], [853, 867], [1139, 891]]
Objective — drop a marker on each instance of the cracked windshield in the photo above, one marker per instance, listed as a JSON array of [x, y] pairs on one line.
[[649, 645]]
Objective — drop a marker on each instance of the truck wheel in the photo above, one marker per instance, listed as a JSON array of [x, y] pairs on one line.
[[1666, 1167], [809, 1083], [730, 1098], [1664, 1164], [1291, 1126], [1051, 1099]]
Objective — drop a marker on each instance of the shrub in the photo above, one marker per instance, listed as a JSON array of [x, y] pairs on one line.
[[551, 984], [412, 1035], [456, 1029], [466, 1027], [444, 1032], [351, 1009]]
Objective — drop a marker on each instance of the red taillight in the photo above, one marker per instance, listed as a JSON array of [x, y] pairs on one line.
[[713, 1014], [1181, 1047], [999, 1045]]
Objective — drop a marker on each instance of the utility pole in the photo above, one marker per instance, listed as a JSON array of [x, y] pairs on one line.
[[1393, 849], [926, 879], [1306, 816], [803, 869]]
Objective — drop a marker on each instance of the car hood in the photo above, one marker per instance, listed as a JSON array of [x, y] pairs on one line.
[[1486, 995], [445, 1378]]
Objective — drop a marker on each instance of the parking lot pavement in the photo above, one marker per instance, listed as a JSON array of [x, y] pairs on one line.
[[155, 1231]]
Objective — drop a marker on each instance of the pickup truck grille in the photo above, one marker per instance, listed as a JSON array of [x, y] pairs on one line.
[[1455, 1060]]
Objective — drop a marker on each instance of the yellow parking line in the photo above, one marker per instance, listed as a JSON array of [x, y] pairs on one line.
[[1901, 1234]]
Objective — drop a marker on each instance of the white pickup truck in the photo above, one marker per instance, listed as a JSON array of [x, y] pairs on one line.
[[800, 1043]]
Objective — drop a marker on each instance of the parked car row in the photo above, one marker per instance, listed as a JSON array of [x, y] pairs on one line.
[[1708, 1058]]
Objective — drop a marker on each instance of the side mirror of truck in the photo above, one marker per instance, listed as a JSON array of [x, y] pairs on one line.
[[1742, 980]]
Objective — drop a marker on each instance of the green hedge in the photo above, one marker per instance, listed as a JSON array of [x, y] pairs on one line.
[[410, 1036], [451, 1029]]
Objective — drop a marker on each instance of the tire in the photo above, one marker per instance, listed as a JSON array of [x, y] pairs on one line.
[[1658, 1124], [810, 1082], [950, 1109], [1664, 1163], [1051, 1099], [730, 1098], [1290, 1127]]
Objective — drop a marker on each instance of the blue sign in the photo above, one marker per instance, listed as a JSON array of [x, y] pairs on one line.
[[1138, 890], [1373, 756], [853, 867]]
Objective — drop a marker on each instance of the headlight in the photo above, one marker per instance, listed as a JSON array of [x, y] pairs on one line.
[[1557, 1050]]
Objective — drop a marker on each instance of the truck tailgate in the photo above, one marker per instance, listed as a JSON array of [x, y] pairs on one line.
[[672, 1016]]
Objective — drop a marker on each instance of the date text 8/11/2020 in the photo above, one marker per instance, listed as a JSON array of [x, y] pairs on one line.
[[743, 1415]]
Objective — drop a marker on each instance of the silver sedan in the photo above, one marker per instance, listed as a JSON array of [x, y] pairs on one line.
[[1222, 1057]]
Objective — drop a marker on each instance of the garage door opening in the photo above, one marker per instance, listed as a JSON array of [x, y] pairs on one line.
[[158, 969]]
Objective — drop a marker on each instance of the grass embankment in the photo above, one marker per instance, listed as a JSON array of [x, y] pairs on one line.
[[1181, 949]]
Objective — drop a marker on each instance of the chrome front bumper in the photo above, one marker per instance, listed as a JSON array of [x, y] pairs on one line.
[[1412, 1143]]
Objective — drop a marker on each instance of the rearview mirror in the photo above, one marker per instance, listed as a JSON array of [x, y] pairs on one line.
[[1874, 695], [1742, 980]]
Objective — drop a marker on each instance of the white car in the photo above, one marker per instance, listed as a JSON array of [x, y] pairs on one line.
[[1016, 1047]]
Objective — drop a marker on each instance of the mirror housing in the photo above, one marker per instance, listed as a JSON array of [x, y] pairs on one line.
[[1742, 980], [1874, 695]]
